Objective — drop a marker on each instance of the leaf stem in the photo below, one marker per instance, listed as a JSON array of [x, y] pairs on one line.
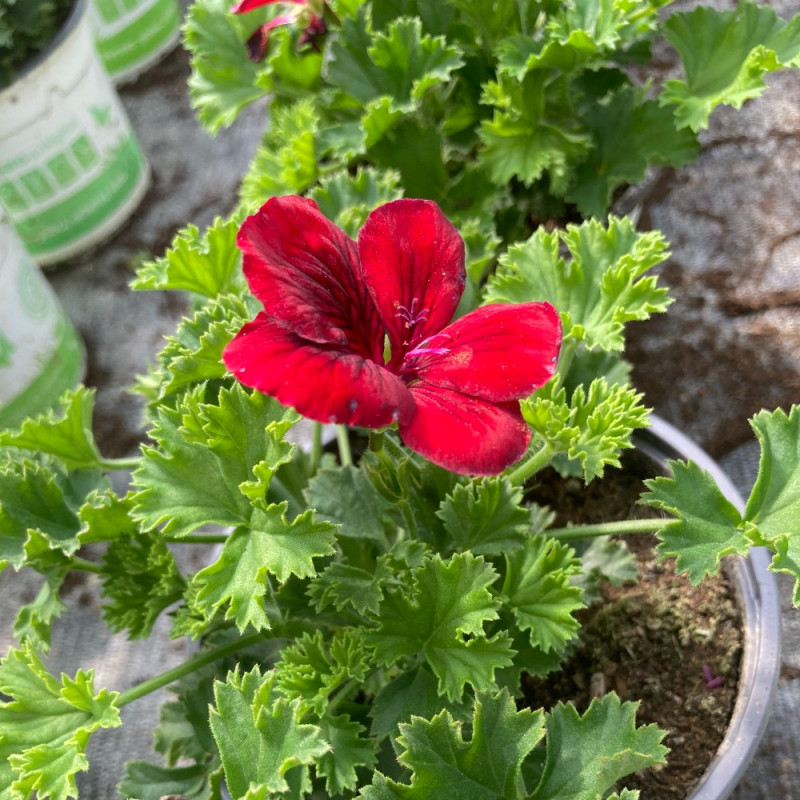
[[376, 439], [84, 565], [568, 348], [114, 464], [621, 527], [171, 675], [316, 448], [198, 538], [531, 465], [343, 440]]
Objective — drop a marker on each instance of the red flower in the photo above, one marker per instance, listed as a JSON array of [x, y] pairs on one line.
[[308, 15], [331, 304]]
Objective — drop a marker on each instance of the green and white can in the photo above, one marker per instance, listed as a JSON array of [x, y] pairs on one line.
[[41, 354], [71, 169], [131, 35]]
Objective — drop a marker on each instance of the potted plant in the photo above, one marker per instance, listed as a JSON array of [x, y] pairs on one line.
[[365, 624], [71, 170], [132, 36]]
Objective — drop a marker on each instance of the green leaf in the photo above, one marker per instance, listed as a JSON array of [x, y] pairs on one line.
[[346, 496], [587, 755], [773, 508], [207, 264], [592, 427], [272, 545], [486, 517], [228, 443], [725, 56], [443, 619], [260, 735], [194, 353], [32, 501], [286, 159], [401, 62], [65, 433], [708, 526], [605, 559], [349, 750], [33, 621], [599, 290], [223, 79], [630, 133], [45, 726], [487, 766], [146, 781], [312, 669], [413, 693], [539, 593], [347, 199], [105, 517], [140, 579]]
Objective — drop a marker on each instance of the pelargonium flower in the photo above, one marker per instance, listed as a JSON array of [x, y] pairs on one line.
[[307, 13], [357, 333]]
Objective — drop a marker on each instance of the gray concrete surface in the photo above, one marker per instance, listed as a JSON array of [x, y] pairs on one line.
[[730, 345]]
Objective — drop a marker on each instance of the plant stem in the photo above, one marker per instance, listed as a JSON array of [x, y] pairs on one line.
[[84, 565], [572, 532], [568, 348], [376, 439], [198, 538], [316, 447], [113, 464], [171, 675], [531, 465], [343, 440]]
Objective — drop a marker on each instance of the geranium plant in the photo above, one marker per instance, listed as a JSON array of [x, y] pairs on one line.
[[363, 626], [26, 29], [500, 112]]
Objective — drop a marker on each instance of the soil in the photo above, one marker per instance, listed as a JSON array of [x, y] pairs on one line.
[[674, 647]]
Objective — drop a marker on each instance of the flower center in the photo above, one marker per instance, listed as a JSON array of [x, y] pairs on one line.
[[412, 315]]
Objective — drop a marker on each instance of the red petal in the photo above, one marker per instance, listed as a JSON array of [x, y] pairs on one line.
[[464, 434], [412, 260], [497, 352], [325, 383], [305, 271], [243, 6]]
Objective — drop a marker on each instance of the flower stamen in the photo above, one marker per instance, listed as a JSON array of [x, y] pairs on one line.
[[412, 315]]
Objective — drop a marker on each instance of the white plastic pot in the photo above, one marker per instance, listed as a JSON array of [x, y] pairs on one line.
[[41, 355], [71, 170], [131, 35]]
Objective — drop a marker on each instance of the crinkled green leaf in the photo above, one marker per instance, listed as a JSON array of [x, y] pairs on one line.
[[32, 500], [345, 496], [33, 621], [412, 693], [592, 427], [347, 199], [223, 79], [539, 593], [599, 290], [588, 754], [206, 263], [65, 433], [773, 508], [286, 159], [105, 517], [287, 70], [260, 735], [630, 133], [708, 526], [229, 444], [400, 62], [311, 669], [349, 750], [605, 559], [487, 766], [45, 725], [486, 517], [140, 579], [725, 55], [443, 619], [272, 545], [194, 353]]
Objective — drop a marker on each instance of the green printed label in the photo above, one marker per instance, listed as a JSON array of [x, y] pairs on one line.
[[141, 38], [85, 210], [62, 371]]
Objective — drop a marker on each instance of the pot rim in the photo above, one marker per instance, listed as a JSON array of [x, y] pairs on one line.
[[761, 613], [33, 63]]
